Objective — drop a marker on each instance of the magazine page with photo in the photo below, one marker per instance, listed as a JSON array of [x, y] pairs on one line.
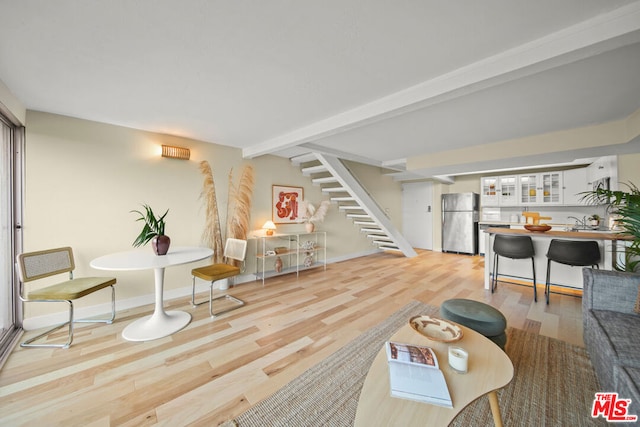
[[414, 374]]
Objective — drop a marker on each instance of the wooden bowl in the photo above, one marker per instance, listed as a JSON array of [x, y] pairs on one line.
[[537, 228], [436, 329]]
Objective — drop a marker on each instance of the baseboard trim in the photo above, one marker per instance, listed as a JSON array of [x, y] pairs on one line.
[[103, 310]]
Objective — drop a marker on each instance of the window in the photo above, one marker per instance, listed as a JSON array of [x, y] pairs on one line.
[[11, 161]]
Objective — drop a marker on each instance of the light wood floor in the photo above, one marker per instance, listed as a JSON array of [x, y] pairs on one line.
[[214, 370]]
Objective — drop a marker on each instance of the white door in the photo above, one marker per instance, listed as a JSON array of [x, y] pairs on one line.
[[417, 214]]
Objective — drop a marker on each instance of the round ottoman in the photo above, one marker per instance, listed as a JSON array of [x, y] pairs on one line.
[[478, 316]]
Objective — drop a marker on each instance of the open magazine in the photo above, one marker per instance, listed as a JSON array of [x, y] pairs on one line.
[[414, 374]]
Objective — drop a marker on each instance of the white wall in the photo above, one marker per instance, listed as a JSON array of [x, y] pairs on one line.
[[83, 178], [10, 105]]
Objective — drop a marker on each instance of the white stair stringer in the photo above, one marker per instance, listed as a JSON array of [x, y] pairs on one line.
[[378, 226]]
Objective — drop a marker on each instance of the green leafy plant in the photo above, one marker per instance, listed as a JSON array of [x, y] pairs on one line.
[[153, 226], [626, 206]]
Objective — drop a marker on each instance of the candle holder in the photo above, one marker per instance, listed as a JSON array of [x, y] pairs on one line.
[[459, 359]]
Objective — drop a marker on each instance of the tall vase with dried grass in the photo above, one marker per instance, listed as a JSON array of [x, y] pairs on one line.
[[212, 234], [239, 204], [238, 209]]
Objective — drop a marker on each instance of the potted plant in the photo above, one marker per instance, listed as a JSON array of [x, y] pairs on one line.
[[153, 231], [594, 220], [625, 205], [310, 214]]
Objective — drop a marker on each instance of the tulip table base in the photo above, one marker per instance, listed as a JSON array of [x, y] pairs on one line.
[[158, 325], [161, 323]]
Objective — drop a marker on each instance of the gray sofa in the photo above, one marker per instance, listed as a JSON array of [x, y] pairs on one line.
[[612, 331]]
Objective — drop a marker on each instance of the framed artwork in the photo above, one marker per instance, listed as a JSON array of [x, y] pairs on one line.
[[285, 201]]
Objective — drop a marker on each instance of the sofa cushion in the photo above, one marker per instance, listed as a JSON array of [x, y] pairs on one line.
[[621, 330], [609, 290], [629, 388]]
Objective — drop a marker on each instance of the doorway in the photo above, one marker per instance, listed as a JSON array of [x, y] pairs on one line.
[[417, 214], [11, 158]]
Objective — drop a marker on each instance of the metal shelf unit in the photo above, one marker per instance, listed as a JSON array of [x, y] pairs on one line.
[[297, 252]]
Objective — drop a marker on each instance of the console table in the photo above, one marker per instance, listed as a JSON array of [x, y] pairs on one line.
[[296, 252]]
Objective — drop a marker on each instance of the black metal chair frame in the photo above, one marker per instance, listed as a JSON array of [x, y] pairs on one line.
[[525, 250], [575, 253]]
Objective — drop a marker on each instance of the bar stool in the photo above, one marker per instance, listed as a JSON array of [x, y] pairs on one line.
[[576, 253], [514, 247]]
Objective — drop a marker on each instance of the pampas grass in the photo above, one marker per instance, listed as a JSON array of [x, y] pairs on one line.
[[239, 204], [212, 234], [310, 214], [238, 209]]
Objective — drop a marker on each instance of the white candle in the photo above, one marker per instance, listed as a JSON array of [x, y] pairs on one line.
[[458, 359]]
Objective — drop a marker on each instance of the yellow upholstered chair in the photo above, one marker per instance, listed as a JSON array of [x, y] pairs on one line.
[[234, 249], [38, 265]]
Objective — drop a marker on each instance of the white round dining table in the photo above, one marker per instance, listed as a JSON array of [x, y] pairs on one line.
[[161, 323]]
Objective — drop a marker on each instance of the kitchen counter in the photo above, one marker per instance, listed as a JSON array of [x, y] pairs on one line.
[[590, 235], [611, 250]]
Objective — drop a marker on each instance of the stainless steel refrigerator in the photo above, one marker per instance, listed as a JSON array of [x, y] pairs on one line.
[[460, 223]]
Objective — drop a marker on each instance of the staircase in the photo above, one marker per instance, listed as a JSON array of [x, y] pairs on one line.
[[344, 189]]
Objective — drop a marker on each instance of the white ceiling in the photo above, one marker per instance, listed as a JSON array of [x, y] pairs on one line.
[[377, 81]]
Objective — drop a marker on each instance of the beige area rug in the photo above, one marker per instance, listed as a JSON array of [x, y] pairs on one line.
[[553, 385]]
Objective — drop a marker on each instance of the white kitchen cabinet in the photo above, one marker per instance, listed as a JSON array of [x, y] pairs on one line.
[[574, 182], [499, 190], [508, 190], [603, 167], [489, 191], [540, 188]]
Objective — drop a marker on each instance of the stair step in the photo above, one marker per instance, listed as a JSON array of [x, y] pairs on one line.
[[382, 242], [324, 180], [358, 215], [342, 199], [313, 169], [303, 158], [350, 208], [370, 230], [390, 248], [378, 237], [368, 223], [334, 190]]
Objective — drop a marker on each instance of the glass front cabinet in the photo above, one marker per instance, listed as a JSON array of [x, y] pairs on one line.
[[540, 189], [499, 190]]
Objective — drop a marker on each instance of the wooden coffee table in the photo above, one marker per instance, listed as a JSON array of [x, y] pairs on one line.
[[489, 370]]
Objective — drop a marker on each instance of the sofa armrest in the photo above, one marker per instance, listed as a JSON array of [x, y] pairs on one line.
[[609, 290]]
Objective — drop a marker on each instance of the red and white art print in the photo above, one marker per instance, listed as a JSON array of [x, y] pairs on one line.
[[285, 204]]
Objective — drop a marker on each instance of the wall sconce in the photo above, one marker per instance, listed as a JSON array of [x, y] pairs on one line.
[[269, 226], [176, 152]]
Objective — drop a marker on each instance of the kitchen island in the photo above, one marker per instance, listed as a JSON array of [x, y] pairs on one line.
[[611, 245]]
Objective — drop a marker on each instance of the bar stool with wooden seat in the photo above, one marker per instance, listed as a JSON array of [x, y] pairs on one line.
[[575, 253], [514, 247]]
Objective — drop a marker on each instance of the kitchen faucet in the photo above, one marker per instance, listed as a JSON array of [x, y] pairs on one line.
[[580, 223]]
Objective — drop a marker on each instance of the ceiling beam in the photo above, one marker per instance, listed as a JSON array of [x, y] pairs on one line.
[[594, 36]]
